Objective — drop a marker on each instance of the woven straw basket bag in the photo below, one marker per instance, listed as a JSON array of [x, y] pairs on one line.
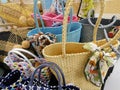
[[71, 56], [20, 14], [10, 37]]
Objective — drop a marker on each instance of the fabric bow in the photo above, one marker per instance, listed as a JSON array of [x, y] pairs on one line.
[[98, 64]]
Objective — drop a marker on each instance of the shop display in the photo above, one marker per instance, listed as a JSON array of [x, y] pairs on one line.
[[59, 45]]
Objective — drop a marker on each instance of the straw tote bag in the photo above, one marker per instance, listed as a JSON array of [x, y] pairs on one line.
[[71, 56], [20, 14]]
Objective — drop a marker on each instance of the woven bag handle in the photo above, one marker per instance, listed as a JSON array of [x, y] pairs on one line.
[[57, 71], [98, 20], [69, 3], [36, 11], [29, 53], [114, 18], [18, 53]]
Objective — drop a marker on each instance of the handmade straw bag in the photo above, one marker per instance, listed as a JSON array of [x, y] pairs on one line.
[[10, 37], [73, 33], [71, 56], [20, 14]]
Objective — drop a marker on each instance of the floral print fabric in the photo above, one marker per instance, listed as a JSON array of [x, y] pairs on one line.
[[98, 64]]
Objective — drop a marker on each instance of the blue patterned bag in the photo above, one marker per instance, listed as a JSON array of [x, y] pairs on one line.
[[59, 74]]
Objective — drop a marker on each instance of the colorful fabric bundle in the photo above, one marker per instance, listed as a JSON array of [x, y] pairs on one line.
[[18, 61], [98, 65]]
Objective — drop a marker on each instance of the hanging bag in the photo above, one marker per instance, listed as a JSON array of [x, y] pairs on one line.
[[73, 33]]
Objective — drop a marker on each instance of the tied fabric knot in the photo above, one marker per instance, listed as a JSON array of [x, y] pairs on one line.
[[98, 64]]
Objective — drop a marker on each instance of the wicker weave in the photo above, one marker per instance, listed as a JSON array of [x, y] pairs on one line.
[[71, 57], [14, 37], [13, 11]]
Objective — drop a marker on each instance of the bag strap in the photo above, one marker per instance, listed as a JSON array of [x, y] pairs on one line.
[[36, 11], [114, 18], [58, 68], [20, 54], [29, 53], [57, 71], [98, 20], [57, 6]]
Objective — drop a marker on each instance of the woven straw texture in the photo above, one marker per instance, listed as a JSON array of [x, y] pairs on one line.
[[13, 11], [9, 39], [71, 57]]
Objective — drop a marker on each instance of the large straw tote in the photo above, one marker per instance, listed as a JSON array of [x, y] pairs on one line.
[[71, 56], [20, 14]]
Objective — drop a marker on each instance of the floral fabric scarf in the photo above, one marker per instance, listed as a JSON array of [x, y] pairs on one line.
[[98, 64]]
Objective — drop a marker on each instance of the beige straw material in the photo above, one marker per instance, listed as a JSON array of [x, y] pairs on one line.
[[12, 12], [98, 21], [71, 57], [6, 45]]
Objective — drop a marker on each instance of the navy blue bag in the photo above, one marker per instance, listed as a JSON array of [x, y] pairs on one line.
[[58, 73]]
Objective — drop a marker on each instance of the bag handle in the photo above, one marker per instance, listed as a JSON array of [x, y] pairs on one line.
[[98, 20], [69, 3], [114, 18], [55, 68], [39, 59], [36, 10], [18, 53], [117, 36], [57, 6], [19, 50]]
